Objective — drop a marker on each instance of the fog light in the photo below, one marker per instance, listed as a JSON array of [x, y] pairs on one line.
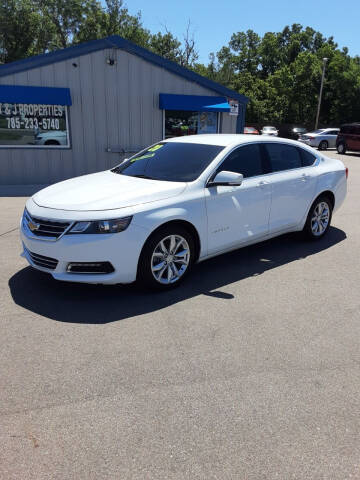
[[93, 267]]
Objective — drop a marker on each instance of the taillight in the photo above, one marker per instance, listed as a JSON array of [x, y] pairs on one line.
[[311, 138], [346, 172]]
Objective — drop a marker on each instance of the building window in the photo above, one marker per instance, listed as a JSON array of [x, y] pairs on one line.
[[33, 125], [179, 123]]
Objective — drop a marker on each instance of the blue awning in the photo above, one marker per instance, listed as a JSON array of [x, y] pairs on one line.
[[40, 95], [195, 103]]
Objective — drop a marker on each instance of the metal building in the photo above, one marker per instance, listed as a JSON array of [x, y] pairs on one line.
[[82, 109]]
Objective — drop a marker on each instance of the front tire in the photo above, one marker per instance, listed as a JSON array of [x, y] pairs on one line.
[[166, 258], [319, 218]]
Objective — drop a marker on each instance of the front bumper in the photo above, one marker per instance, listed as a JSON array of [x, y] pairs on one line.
[[122, 250]]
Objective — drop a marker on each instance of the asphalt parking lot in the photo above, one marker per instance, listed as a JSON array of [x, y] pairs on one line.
[[251, 370]]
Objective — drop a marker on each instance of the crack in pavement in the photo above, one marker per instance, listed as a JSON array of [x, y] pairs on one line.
[[5, 233]]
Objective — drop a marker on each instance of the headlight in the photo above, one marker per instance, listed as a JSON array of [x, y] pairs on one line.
[[102, 226]]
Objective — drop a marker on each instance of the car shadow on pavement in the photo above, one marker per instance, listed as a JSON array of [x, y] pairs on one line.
[[38, 292]]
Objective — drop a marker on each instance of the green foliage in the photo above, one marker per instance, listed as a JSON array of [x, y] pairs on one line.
[[167, 46], [23, 30], [30, 27], [280, 72]]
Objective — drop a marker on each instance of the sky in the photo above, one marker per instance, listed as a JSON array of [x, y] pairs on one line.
[[213, 22]]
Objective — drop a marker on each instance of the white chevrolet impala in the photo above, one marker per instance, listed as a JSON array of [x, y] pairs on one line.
[[178, 202]]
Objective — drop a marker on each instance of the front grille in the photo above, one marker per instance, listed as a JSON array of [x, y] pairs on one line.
[[41, 261], [48, 229]]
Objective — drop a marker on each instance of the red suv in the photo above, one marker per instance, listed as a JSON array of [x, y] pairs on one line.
[[348, 138]]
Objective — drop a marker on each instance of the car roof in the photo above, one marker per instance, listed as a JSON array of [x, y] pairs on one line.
[[226, 140]]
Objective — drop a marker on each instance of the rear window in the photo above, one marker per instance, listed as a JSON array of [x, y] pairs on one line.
[[350, 129], [283, 157], [307, 158]]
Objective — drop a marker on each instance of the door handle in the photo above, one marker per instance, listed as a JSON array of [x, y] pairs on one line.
[[262, 184], [304, 177]]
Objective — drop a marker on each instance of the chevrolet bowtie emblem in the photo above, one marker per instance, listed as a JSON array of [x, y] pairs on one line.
[[33, 226]]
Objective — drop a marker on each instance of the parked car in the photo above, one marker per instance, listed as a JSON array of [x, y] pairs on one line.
[[251, 131], [179, 202], [292, 132], [51, 137], [269, 131], [322, 138], [348, 138]]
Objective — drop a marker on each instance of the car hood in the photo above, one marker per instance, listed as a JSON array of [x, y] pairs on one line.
[[105, 191]]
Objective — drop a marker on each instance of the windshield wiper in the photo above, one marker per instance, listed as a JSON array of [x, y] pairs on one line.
[[143, 176]]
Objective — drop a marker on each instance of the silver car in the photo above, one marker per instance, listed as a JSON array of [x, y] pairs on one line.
[[269, 131], [322, 139]]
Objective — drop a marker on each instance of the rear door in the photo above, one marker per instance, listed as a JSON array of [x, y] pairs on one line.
[[293, 183]]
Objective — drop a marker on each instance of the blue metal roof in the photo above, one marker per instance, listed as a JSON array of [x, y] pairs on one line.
[[115, 41], [40, 95]]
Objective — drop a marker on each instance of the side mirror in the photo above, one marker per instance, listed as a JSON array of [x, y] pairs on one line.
[[224, 178]]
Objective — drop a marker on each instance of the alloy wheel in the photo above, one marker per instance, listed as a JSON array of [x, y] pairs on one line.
[[170, 259], [320, 219]]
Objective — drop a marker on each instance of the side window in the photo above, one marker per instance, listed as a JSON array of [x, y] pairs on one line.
[[307, 158], [283, 157], [246, 160], [333, 132]]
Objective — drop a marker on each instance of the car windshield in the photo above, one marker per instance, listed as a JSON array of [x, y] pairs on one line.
[[320, 130], [300, 130], [269, 128], [170, 161]]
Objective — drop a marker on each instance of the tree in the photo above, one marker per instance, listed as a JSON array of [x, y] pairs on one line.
[[189, 54], [23, 30], [281, 73], [66, 18], [166, 45]]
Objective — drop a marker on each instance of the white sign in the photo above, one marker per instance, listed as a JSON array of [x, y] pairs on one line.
[[234, 107]]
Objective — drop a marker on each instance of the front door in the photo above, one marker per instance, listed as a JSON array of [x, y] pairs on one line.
[[239, 214]]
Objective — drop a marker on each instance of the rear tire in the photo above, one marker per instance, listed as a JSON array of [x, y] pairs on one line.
[[166, 258], [341, 148], [319, 218], [323, 145]]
